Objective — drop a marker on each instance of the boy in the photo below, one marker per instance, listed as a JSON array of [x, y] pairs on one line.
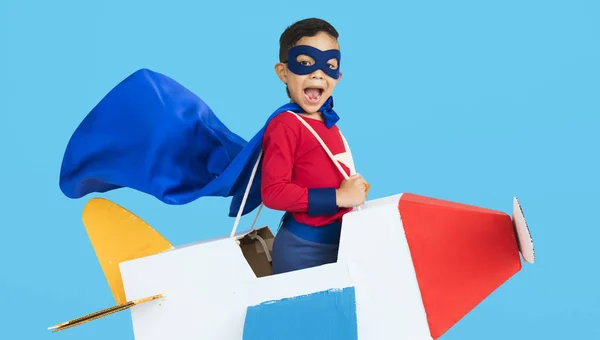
[[298, 176]]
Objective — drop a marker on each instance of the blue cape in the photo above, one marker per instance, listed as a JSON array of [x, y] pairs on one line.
[[151, 134]]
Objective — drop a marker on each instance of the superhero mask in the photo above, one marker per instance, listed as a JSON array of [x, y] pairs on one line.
[[320, 57]]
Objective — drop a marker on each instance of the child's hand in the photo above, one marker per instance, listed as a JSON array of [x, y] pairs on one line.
[[352, 192]]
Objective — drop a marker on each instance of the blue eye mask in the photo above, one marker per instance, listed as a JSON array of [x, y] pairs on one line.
[[320, 57]]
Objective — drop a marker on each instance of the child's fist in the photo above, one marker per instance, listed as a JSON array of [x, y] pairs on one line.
[[352, 192]]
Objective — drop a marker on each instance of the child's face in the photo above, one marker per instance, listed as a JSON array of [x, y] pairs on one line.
[[311, 90]]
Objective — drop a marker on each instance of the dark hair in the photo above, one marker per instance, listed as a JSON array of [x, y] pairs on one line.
[[300, 29]]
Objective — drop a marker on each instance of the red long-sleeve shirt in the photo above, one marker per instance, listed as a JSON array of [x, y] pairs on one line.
[[297, 174]]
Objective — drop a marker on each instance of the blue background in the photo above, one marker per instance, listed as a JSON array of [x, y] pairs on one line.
[[481, 101]]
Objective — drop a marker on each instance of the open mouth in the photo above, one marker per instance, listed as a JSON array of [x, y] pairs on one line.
[[313, 94]]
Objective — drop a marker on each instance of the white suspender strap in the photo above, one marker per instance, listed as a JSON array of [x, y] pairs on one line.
[[246, 193], [314, 133]]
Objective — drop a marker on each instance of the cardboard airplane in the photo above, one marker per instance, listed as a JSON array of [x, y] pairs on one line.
[[409, 267]]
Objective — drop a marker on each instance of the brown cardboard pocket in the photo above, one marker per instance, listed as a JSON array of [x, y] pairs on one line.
[[257, 247]]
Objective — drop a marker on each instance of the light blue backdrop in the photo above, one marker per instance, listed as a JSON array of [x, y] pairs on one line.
[[480, 101]]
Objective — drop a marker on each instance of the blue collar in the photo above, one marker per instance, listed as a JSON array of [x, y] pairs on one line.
[[329, 115]]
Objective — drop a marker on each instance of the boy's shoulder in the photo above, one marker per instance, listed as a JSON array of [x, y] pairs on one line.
[[284, 120], [289, 122], [285, 117]]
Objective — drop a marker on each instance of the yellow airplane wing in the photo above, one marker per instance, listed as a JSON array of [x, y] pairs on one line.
[[117, 235]]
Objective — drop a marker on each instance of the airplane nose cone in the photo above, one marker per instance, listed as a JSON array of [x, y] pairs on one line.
[[461, 254]]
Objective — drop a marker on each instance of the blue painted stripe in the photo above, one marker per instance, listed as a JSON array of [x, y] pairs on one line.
[[326, 315]]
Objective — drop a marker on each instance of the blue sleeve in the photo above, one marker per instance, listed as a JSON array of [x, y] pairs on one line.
[[322, 201]]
